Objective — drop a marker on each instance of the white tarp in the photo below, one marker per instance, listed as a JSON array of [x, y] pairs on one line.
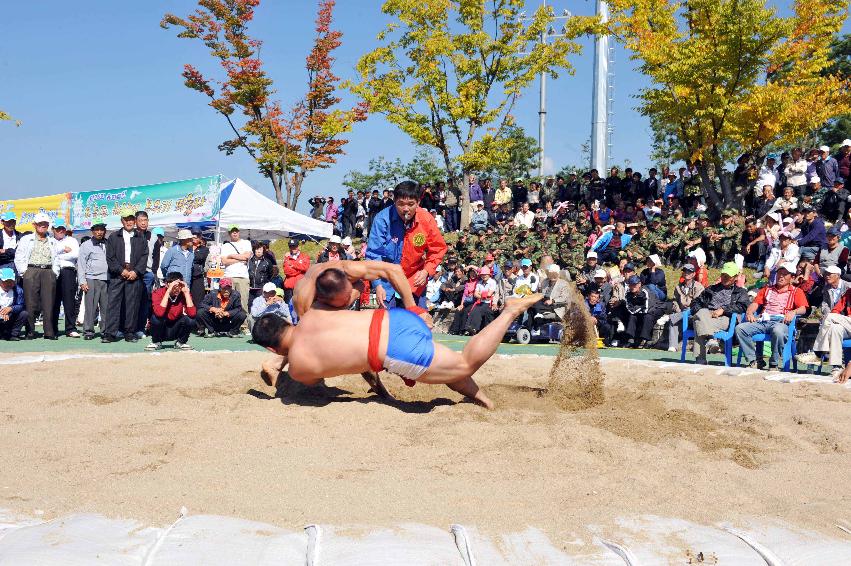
[[261, 218]]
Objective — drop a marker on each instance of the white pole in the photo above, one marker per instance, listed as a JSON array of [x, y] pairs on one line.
[[542, 122], [600, 106], [219, 212]]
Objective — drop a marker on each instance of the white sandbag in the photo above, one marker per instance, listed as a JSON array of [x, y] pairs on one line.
[[214, 540], [792, 547], [77, 540], [408, 544], [660, 540]]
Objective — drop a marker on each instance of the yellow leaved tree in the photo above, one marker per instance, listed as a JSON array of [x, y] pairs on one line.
[[732, 76], [448, 73]]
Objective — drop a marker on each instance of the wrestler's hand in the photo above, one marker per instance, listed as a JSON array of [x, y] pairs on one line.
[[380, 295]]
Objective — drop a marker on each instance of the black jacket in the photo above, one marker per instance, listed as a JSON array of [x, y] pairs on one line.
[[201, 254], [739, 300], [260, 271], [233, 306], [834, 204], [9, 255], [115, 254]]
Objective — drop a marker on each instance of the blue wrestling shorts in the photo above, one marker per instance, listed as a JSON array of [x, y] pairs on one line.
[[410, 349]]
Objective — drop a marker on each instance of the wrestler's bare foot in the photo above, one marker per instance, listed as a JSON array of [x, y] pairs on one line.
[[482, 400], [517, 305], [376, 386], [270, 374]]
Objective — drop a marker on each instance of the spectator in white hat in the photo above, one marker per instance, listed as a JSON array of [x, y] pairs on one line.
[[827, 167], [652, 275], [38, 266], [786, 252], [835, 324], [556, 294], [685, 293], [333, 251], [777, 304], [179, 258], [271, 301], [586, 273], [601, 282]]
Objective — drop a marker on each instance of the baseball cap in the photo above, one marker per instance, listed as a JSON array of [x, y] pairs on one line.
[[347, 241], [599, 273], [633, 280], [591, 254], [846, 141], [824, 148], [225, 282], [629, 267], [833, 269], [127, 211], [688, 267], [98, 222], [279, 292], [41, 217], [834, 231], [59, 223], [489, 257], [838, 181], [269, 287], [335, 239], [526, 262], [553, 268], [233, 227], [789, 266], [815, 179], [484, 271], [293, 243], [730, 268], [181, 234], [7, 274], [9, 216]]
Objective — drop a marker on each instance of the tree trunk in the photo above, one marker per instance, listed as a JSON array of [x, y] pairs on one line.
[[294, 190], [276, 183], [464, 199], [708, 184]]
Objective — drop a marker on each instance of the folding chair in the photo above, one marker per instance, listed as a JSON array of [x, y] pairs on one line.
[[726, 336], [789, 350]]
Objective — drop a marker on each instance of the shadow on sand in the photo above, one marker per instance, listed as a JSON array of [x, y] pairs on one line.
[[291, 392]]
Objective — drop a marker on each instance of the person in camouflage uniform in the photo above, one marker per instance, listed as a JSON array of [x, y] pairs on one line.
[[724, 238], [670, 245]]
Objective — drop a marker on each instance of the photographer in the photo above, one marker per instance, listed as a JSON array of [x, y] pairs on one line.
[[317, 207]]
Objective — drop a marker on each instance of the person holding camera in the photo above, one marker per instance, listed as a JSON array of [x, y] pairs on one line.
[[173, 316]]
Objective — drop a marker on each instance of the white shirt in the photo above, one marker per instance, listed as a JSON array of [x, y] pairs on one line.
[[7, 297], [525, 219], [67, 259], [9, 242], [126, 235], [239, 269]]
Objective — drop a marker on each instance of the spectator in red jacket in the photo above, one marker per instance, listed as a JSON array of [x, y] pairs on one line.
[[296, 265], [174, 314]]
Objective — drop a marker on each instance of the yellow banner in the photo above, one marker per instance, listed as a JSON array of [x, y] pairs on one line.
[[55, 206]]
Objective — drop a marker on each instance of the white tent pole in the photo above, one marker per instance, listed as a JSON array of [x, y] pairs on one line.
[[219, 213]]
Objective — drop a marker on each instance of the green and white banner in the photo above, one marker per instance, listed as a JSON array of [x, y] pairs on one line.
[[178, 202]]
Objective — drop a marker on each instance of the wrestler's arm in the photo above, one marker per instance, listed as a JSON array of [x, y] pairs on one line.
[[372, 270], [304, 292]]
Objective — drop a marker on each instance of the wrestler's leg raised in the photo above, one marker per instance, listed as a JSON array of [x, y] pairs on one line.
[[455, 369]]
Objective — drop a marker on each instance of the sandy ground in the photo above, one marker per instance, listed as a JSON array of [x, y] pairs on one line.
[[139, 437]]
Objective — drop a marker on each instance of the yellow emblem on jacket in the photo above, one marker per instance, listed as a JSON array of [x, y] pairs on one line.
[[419, 239]]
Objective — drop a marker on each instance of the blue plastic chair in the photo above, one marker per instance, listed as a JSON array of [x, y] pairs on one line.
[[846, 354], [789, 350], [726, 336]]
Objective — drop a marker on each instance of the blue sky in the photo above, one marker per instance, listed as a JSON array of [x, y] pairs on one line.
[[97, 86]]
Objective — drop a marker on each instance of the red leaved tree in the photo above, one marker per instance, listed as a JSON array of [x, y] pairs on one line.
[[285, 145]]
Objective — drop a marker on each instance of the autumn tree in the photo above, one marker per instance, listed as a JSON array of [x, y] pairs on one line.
[[731, 76], [6, 117], [448, 73], [521, 155], [286, 145]]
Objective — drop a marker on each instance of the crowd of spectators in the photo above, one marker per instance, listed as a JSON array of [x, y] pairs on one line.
[[618, 238]]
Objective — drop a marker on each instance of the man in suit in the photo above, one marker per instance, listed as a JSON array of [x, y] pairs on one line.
[[127, 263], [556, 294]]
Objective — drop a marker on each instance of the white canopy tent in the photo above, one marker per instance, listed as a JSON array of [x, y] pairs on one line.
[[261, 218]]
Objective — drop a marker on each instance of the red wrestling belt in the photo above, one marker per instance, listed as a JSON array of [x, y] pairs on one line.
[[375, 363], [416, 310]]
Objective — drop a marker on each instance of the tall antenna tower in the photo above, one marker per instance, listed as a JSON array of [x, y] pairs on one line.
[[601, 101]]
